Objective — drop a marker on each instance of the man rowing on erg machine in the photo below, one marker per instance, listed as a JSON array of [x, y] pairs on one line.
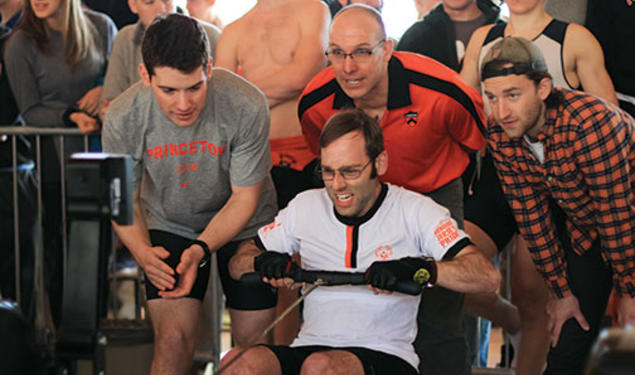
[[357, 224]]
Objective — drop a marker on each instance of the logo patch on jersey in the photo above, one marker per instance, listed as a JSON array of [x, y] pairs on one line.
[[411, 118], [383, 252], [269, 227], [446, 233]]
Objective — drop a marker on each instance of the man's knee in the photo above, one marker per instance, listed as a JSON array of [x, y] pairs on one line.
[[240, 366], [174, 339], [255, 361], [318, 364]]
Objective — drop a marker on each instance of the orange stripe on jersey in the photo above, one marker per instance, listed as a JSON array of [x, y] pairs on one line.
[[349, 246]]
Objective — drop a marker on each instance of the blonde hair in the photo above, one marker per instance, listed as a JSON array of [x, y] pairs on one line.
[[79, 33]]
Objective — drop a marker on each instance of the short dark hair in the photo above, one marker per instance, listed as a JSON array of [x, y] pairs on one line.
[[175, 41], [349, 121]]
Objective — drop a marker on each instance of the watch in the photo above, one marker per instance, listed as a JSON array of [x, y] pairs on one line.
[[207, 255]]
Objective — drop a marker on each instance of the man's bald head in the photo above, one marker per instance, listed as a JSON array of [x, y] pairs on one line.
[[377, 4], [359, 16]]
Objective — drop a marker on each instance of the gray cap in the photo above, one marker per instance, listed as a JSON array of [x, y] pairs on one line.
[[522, 54]]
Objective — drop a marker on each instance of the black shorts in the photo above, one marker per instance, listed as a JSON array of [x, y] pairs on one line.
[[238, 296], [486, 206], [374, 362], [175, 245]]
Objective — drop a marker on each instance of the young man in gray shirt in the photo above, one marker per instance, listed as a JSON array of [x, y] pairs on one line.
[[198, 138]]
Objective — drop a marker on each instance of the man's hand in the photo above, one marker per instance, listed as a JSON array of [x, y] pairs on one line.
[[626, 312], [275, 268], [84, 122], [383, 277], [187, 270], [89, 103], [158, 272], [560, 310]]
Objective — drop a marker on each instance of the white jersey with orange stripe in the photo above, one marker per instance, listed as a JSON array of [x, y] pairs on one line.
[[400, 224]]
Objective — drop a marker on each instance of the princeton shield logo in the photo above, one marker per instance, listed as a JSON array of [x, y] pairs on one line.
[[411, 118]]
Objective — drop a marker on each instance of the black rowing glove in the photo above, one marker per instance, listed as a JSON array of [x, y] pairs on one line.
[[386, 275], [274, 265]]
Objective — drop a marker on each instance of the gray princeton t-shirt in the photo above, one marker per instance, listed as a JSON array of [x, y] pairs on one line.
[[185, 174]]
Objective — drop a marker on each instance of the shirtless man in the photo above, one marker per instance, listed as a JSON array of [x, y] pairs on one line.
[[575, 61], [279, 46]]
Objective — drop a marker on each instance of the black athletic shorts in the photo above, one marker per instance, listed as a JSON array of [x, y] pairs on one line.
[[374, 362], [175, 245], [485, 204], [238, 296]]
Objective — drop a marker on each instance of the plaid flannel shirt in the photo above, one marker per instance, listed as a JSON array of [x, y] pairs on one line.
[[589, 171]]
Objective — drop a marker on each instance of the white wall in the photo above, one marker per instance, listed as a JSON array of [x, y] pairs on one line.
[[398, 14]]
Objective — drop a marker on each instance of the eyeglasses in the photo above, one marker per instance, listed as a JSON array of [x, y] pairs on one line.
[[348, 173], [359, 55]]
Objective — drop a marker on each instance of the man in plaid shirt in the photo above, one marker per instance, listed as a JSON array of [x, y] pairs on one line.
[[566, 161]]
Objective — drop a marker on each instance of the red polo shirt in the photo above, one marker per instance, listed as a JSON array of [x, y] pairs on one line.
[[431, 117]]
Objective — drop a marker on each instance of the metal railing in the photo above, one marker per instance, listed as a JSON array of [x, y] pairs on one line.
[[14, 132]]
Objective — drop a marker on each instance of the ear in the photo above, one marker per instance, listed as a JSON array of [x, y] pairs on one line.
[[132, 4], [145, 76], [388, 47], [381, 163], [544, 88], [208, 73]]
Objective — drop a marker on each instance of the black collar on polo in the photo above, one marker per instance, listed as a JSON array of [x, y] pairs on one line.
[[347, 220]]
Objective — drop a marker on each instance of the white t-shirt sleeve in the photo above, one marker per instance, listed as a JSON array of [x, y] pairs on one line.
[[279, 235], [438, 233]]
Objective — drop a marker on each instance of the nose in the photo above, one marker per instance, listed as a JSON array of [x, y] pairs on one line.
[[501, 110], [338, 182], [349, 64], [182, 101]]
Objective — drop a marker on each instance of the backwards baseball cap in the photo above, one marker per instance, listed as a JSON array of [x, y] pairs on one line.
[[512, 55]]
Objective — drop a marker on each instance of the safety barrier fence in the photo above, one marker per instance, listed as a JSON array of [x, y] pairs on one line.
[[13, 132]]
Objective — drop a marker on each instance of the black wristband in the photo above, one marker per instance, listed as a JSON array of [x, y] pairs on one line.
[[208, 254]]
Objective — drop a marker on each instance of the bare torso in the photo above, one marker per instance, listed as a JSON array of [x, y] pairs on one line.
[[266, 41]]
